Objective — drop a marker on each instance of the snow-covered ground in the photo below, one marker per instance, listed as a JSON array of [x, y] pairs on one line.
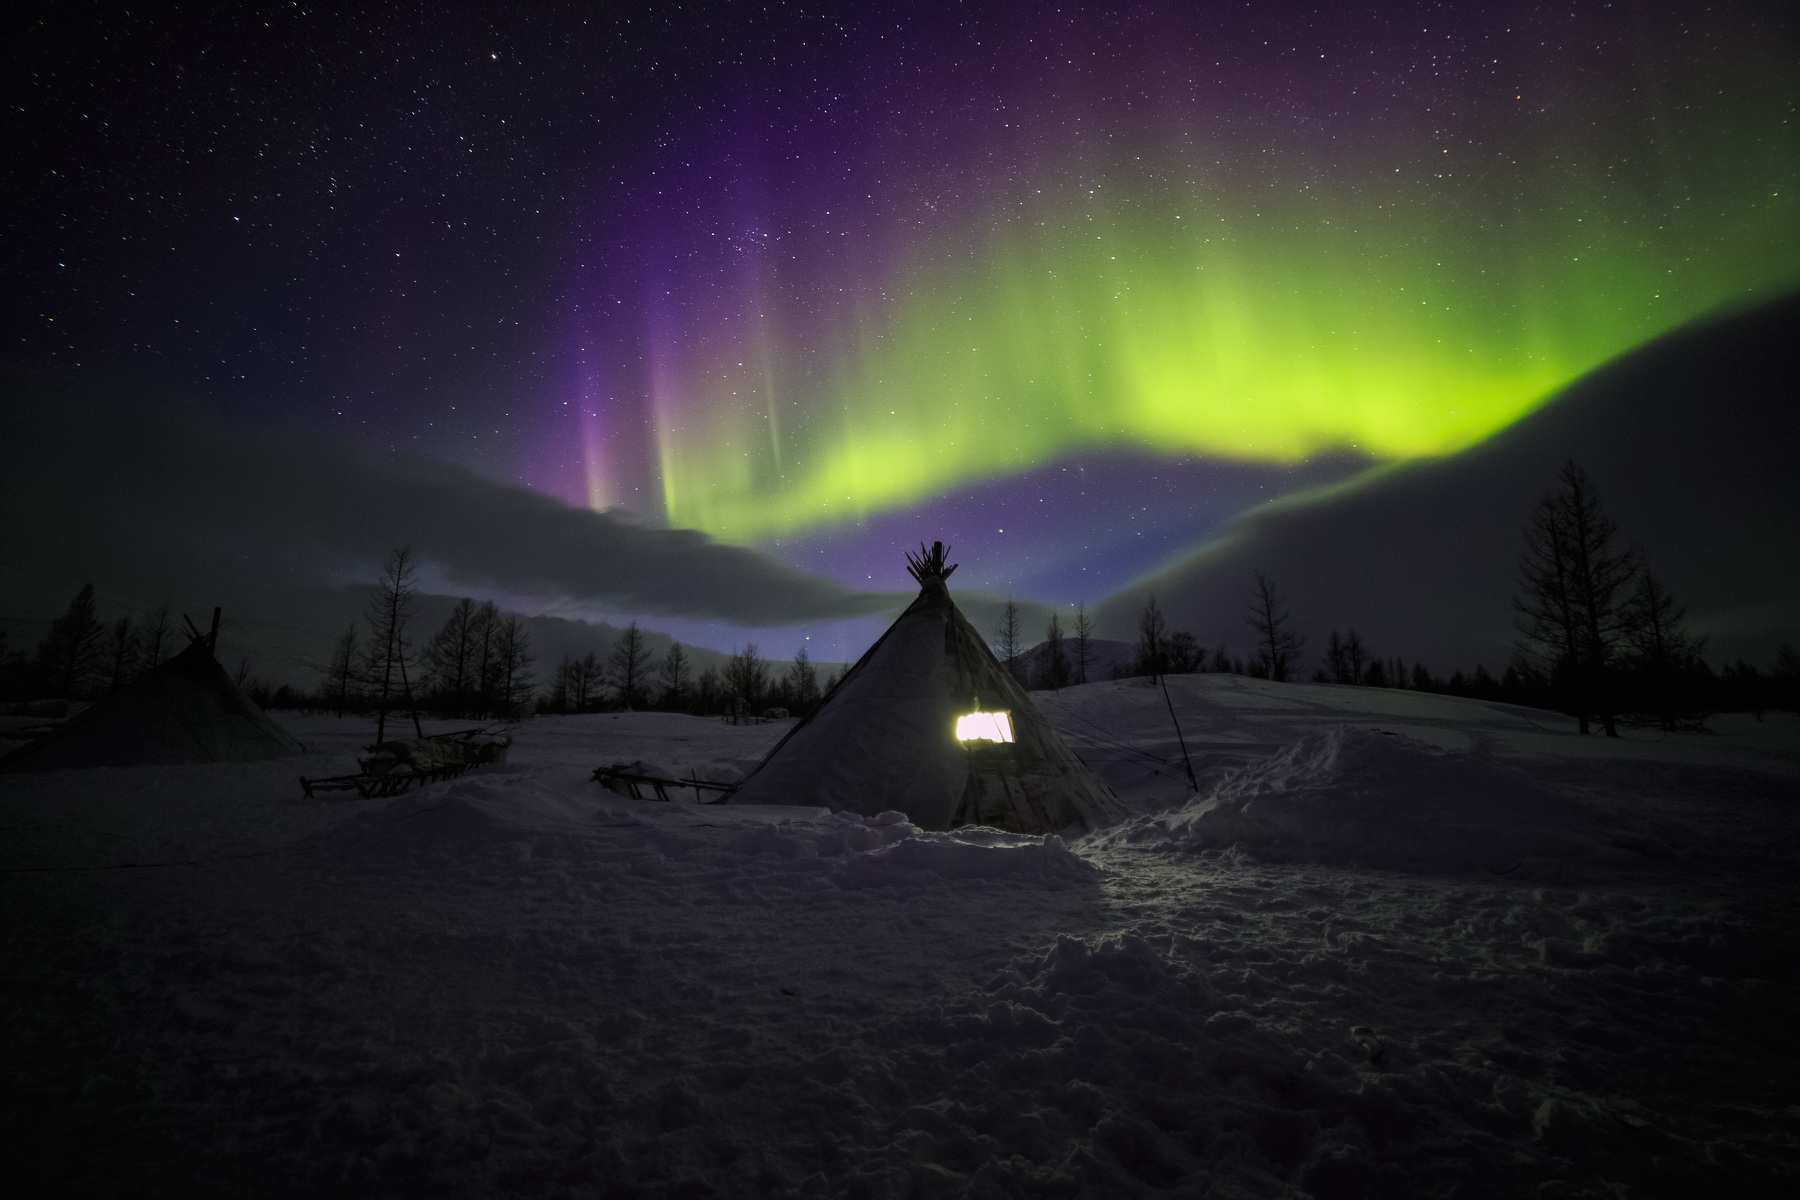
[[1399, 945]]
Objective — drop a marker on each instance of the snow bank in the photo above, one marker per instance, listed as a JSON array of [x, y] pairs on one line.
[[768, 847], [1356, 796]]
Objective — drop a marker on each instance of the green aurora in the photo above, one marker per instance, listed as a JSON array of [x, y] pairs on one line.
[[1390, 320]]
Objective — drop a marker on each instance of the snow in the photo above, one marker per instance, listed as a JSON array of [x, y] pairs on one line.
[[1399, 944]]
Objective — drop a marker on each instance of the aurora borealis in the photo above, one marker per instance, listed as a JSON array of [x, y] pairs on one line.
[[1069, 285], [1351, 256]]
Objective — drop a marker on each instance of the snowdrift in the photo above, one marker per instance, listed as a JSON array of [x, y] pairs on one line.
[[1354, 796], [515, 819]]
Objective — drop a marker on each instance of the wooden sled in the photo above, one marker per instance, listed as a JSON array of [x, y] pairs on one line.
[[396, 766], [636, 782]]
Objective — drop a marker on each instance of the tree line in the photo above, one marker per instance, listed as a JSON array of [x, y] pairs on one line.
[[85, 658], [1601, 637], [480, 665]]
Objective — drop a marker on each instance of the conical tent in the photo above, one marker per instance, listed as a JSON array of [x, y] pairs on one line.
[[187, 710], [887, 735]]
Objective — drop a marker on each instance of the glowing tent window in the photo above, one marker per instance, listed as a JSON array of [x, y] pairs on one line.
[[984, 727]]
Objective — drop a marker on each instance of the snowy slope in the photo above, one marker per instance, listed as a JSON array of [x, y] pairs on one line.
[[1399, 945]]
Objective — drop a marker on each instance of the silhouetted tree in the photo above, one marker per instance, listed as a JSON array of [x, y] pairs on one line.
[[1183, 654], [1346, 657], [630, 666], [1057, 672], [802, 684], [340, 676], [155, 637], [708, 691], [1008, 634], [1083, 639], [1152, 652], [70, 656], [389, 609], [1664, 653], [1574, 592], [122, 653], [586, 677], [512, 659], [746, 681], [674, 673], [1277, 645], [453, 656]]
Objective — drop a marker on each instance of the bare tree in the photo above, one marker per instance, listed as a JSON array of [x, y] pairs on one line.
[[586, 677], [155, 634], [746, 680], [1152, 647], [1277, 645], [487, 656], [561, 686], [630, 663], [674, 672], [1083, 639], [1346, 657], [1662, 647], [70, 656], [1182, 653], [454, 652], [803, 683], [708, 691], [340, 676], [122, 653], [1056, 671], [390, 608], [512, 658], [1574, 596], [1008, 634]]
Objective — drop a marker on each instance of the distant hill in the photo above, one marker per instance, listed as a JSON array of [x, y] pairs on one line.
[[1105, 656], [1692, 440]]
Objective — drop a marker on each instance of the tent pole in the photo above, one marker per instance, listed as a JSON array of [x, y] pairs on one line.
[[1185, 761], [410, 702]]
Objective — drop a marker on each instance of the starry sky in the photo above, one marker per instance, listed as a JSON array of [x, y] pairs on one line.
[[1065, 285]]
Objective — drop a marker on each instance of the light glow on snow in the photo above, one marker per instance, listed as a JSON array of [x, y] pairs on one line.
[[984, 727]]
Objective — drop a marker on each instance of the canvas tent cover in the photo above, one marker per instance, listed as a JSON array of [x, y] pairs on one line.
[[187, 710], [885, 739]]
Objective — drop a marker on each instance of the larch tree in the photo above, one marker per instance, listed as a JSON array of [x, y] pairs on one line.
[[1083, 630], [803, 683], [122, 653], [675, 674], [155, 635], [512, 659], [1153, 640], [1057, 673], [1574, 597], [389, 609], [340, 676], [453, 655], [630, 664], [1009, 633], [70, 656], [746, 680], [1664, 651], [1277, 645]]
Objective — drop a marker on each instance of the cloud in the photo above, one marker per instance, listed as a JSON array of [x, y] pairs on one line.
[[158, 496], [1689, 439]]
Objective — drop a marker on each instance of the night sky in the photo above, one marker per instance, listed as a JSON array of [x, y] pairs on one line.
[[1066, 286]]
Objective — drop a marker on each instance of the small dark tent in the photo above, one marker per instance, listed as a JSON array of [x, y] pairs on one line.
[[187, 710], [887, 737]]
